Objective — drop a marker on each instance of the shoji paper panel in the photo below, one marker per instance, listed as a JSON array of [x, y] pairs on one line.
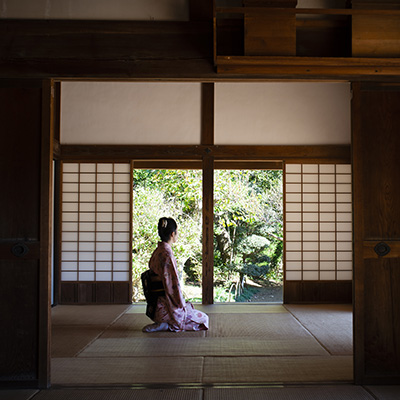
[[318, 222], [95, 217]]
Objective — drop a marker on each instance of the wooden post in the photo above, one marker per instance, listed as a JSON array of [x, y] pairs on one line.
[[207, 114], [207, 138], [208, 229], [45, 232]]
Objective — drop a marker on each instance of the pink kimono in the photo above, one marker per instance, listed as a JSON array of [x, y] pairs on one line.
[[172, 308]]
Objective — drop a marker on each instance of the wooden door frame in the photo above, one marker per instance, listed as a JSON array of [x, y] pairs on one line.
[[46, 199]]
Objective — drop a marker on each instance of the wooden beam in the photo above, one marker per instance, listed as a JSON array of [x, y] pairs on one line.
[[310, 67], [200, 10], [123, 49], [307, 11], [158, 51], [207, 113], [208, 230], [321, 153], [266, 165]]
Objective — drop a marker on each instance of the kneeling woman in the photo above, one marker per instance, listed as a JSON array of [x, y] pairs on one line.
[[172, 312]]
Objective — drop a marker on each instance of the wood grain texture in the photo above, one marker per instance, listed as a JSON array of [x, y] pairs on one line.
[[309, 67], [269, 35], [328, 153], [46, 225], [317, 292], [207, 113], [376, 36], [20, 121], [21, 285], [95, 293], [376, 167], [156, 51], [208, 230]]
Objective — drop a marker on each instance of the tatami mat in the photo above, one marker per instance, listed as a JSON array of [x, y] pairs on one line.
[[238, 308], [225, 308], [87, 314], [130, 325], [123, 371], [278, 369], [105, 345], [69, 341], [235, 392], [187, 347], [121, 394], [342, 392], [18, 394], [385, 392], [269, 326], [331, 325]]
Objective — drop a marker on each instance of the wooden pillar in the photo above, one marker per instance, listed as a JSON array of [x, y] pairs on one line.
[[208, 229], [46, 196], [207, 114], [207, 138], [25, 213]]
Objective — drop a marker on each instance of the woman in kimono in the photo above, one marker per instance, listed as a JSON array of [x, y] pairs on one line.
[[171, 311]]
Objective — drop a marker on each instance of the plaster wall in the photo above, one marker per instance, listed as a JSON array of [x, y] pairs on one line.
[[169, 113], [283, 113], [130, 113]]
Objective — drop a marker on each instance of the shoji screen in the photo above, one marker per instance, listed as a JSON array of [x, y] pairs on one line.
[[318, 232], [95, 233]]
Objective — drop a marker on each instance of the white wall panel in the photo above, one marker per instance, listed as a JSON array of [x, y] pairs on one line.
[[130, 113], [282, 113]]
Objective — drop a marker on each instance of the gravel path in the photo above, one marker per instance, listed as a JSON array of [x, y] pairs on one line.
[[272, 294]]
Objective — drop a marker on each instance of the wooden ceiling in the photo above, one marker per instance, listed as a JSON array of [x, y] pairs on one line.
[[204, 49]]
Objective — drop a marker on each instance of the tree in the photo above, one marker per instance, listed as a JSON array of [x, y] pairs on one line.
[[248, 226], [247, 223], [170, 193]]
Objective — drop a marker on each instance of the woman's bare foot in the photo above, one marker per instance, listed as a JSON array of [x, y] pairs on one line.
[[163, 326]]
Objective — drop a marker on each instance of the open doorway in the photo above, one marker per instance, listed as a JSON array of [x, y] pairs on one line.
[[248, 236], [175, 193], [248, 230]]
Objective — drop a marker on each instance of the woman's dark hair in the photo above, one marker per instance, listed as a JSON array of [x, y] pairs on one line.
[[166, 226]]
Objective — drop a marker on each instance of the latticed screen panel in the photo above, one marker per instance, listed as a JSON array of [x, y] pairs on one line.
[[318, 222], [96, 227]]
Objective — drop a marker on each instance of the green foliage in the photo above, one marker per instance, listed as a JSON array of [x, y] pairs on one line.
[[247, 294], [247, 225], [159, 193]]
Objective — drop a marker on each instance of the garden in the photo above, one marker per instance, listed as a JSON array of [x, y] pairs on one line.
[[248, 230]]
